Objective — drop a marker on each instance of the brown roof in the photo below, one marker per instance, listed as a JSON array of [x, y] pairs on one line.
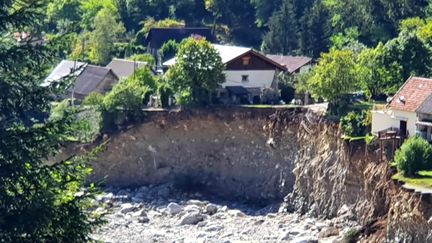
[[292, 63], [412, 94]]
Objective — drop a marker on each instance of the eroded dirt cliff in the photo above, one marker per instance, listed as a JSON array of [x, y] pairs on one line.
[[264, 155]]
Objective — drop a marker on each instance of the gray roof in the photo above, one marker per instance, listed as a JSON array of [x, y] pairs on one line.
[[63, 69], [426, 106], [125, 68], [90, 78]]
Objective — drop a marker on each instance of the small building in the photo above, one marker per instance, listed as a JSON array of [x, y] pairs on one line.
[[247, 68], [125, 68], [93, 79], [409, 112], [293, 64], [159, 36], [64, 69], [89, 78]]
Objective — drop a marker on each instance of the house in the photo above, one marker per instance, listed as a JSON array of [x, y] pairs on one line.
[[159, 36], [246, 68], [93, 79], [64, 69], [89, 78], [409, 112], [293, 64], [125, 68]]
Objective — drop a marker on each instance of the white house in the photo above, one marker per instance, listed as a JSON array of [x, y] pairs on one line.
[[245, 69], [409, 111]]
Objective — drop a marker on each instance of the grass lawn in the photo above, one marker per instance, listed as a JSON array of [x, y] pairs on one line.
[[365, 105], [424, 179]]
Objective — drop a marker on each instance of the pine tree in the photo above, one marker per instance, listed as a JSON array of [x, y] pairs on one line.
[[282, 37], [38, 202]]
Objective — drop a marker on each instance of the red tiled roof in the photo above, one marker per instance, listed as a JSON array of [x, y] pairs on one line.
[[412, 94], [292, 63]]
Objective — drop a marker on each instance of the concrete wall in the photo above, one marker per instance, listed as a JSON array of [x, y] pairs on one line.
[[384, 119], [257, 78]]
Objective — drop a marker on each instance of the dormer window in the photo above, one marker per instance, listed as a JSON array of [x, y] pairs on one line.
[[246, 60]]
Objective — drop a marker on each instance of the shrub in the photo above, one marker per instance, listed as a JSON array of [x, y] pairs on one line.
[[148, 58], [353, 124], [165, 93], [414, 155], [93, 99]]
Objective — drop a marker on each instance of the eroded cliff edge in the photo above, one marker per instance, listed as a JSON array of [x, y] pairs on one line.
[[263, 155]]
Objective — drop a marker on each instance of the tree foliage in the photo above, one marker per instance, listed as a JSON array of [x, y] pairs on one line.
[[334, 76], [102, 38], [198, 71], [38, 202]]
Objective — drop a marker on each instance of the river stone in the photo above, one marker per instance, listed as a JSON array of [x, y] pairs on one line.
[[285, 236], [143, 219], [305, 239], [127, 208], [191, 208], [236, 213], [211, 209], [328, 231], [174, 208], [196, 202], [191, 218]]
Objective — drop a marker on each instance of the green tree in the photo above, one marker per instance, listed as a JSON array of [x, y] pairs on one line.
[[90, 10], [415, 155], [132, 93], [334, 76], [264, 10], [63, 14], [148, 58], [169, 49], [198, 71], [38, 202], [405, 56], [372, 73], [282, 36], [102, 38]]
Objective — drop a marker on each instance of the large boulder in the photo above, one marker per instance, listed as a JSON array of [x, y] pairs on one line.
[[174, 208], [191, 218], [211, 209]]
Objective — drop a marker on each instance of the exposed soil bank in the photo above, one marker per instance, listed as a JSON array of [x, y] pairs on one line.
[[231, 153], [264, 155]]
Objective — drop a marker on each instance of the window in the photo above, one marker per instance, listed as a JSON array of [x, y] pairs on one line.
[[245, 78], [246, 60]]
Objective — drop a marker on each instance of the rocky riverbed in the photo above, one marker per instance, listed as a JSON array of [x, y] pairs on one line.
[[165, 214]]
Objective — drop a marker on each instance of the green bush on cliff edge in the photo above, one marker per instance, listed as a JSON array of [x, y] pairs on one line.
[[415, 155]]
